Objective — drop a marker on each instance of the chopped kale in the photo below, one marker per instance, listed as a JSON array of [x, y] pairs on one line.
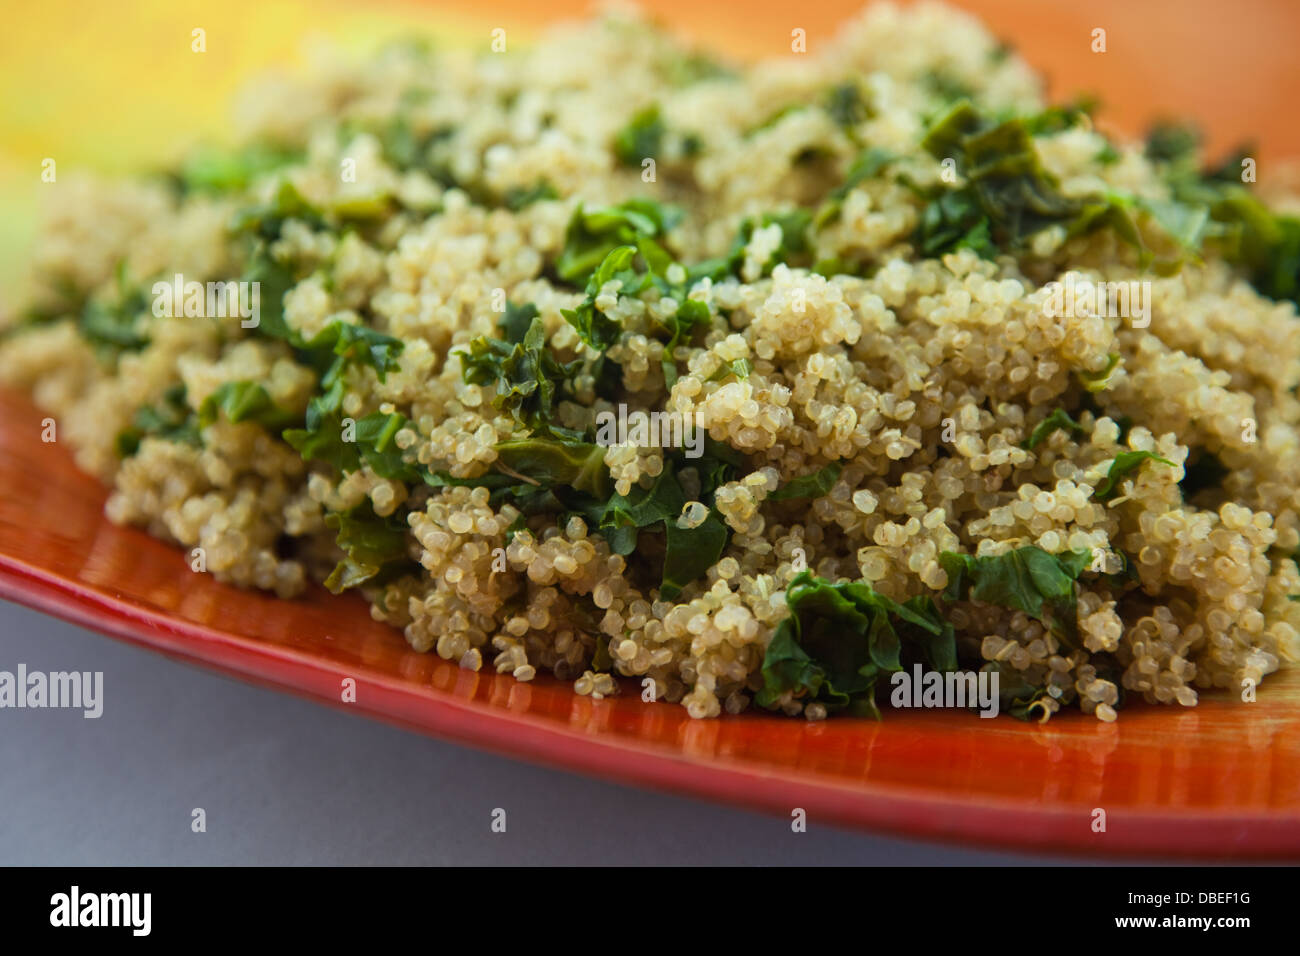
[[1057, 119], [1172, 142], [738, 367], [846, 104], [642, 138], [243, 402], [272, 279], [1108, 155], [326, 435], [517, 320], [1017, 696], [322, 437], [868, 165], [696, 67], [596, 329], [549, 462], [1058, 420], [405, 148], [1099, 381], [526, 375], [376, 438], [571, 477], [171, 419], [774, 118], [1215, 208], [947, 88], [839, 639], [376, 549], [1007, 196], [215, 170], [814, 485], [266, 220], [1027, 579], [341, 344], [346, 445], [955, 220], [1125, 463], [624, 515], [520, 197], [692, 314], [594, 233], [794, 245], [691, 552], [113, 327]]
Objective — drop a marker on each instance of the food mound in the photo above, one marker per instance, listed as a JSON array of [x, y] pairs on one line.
[[757, 386]]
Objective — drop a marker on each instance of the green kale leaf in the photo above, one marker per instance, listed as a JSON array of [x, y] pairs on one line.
[[172, 420], [867, 166], [642, 137], [1125, 463], [552, 462], [1007, 195], [847, 105], [1027, 579], [839, 639], [526, 375], [1058, 420], [521, 197], [341, 344], [243, 402], [594, 233], [1099, 381], [691, 552], [1172, 142], [692, 314], [266, 220], [211, 169], [597, 330], [814, 485], [376, 549], [114, 326]]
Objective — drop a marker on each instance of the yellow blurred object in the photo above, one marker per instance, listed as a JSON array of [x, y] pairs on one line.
[[119, 87]]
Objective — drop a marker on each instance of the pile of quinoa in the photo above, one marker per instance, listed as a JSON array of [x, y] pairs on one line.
[[840, 332]]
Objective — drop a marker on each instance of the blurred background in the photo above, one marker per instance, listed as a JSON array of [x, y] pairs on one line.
[[114, 87]]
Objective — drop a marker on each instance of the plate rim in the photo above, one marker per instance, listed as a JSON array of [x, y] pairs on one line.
[[890, 810]]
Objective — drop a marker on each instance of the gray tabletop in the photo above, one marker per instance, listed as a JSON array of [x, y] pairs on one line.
[[286, 781]]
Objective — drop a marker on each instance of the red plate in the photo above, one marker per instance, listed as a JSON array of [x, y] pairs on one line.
[[1221, 780]]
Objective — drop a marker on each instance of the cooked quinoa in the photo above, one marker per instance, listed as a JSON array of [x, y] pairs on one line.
[[837, 263]]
